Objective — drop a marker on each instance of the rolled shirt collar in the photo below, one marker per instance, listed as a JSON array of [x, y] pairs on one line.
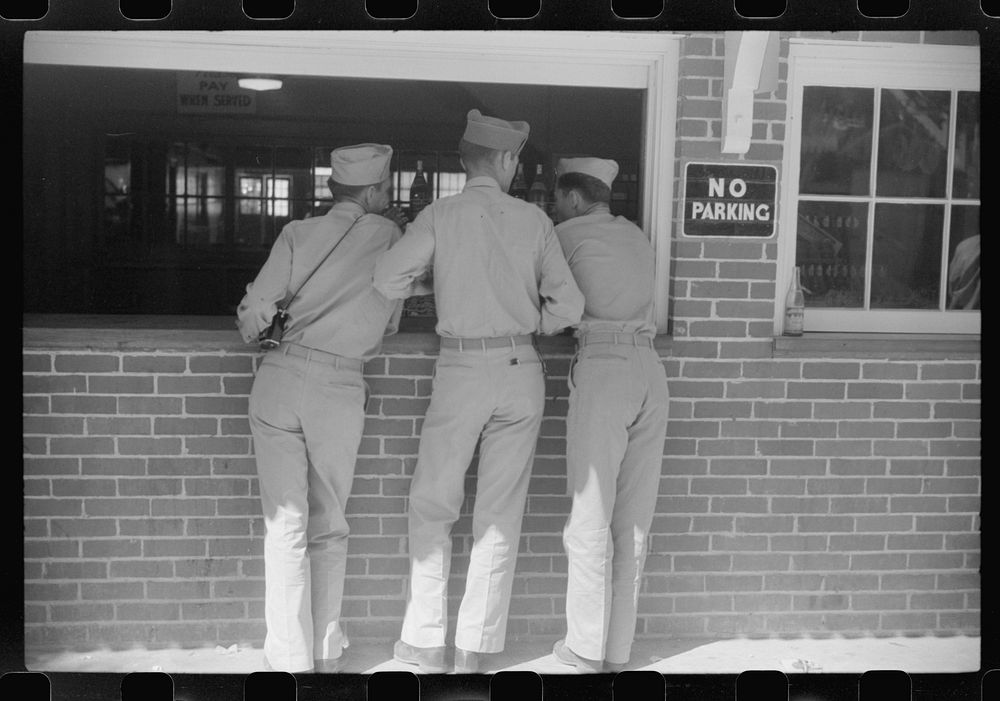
[[482, 181]]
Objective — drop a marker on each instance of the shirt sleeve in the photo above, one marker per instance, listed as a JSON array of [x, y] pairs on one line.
[[392, 325], [562, 301], [260, 303], [408, 259], [566, 242]]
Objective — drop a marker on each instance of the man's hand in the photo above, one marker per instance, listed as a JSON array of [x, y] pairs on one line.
[[397, 215]]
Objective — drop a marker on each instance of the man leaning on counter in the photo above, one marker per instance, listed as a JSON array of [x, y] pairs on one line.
[[499, 277]]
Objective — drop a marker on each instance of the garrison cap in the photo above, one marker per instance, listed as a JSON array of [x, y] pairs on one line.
[[494, 133], [363, 164], [604, 169]]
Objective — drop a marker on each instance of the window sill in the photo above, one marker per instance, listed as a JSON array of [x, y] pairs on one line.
[[877, 345], [130, 332], [146, 333]]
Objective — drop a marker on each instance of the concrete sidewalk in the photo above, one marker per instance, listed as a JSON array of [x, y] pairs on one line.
[[686, 656]]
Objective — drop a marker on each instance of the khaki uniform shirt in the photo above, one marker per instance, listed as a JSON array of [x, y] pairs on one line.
[[497, 267], [338, 310], [963, 275], [613, 264]]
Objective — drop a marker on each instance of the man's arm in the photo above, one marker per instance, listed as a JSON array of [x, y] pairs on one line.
[[562, 301], [393, 234], [260, 303], [400, 270]]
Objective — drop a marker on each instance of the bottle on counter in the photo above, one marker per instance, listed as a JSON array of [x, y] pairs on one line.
[[795, 306], [420, 191], [519, 188], [538, 194]]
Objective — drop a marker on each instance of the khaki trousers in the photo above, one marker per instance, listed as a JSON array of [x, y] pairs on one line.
[[498, 393], [307, 418], [615, 431]]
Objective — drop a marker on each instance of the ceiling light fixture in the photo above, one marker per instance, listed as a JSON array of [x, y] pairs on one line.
[[260, 83]]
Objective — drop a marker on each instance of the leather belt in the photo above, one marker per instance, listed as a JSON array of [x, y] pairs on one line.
[[628, 339], [337, 361], [464, 344]]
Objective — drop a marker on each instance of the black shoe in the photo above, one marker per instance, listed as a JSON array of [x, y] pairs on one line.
[[429, 660]]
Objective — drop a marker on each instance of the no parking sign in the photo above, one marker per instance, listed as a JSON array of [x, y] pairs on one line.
[[726, 199]]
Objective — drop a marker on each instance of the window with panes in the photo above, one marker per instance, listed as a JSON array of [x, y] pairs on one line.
[[886, 200], [888, 210]]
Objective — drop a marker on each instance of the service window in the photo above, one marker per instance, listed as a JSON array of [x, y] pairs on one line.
[[183, 179]]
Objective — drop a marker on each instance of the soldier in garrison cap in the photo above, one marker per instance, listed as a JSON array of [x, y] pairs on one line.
[[307, 405], [617, 418], [499, 277]]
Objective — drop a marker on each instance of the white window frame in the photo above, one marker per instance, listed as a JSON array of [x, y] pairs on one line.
[[277, 204], [865, 65], [641, 60]]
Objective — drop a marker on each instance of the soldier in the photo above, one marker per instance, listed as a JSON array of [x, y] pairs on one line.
[[963, 275], [307, 405], [617, 418], [499, 277]]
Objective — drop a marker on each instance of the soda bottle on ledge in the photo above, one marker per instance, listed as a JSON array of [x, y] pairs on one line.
[[538, 194], [519, 188], [420, 191], [795, 306]]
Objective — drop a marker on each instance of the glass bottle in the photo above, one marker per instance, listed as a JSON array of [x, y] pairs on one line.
[[519, 188], [420, 191], [538, 194], [795, 306]]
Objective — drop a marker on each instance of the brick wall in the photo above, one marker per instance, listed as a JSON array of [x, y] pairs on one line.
[[802, 492], [798, 495]]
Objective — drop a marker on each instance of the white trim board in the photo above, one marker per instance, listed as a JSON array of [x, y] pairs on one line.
[[552, 58]]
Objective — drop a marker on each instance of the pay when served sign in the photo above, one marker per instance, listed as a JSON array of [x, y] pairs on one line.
[[726, 199], [213, 93]]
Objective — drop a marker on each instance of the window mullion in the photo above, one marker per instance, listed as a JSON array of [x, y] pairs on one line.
[[269, 215], [948, 193], [184, 220], [886, 200], [834, 198], [872, 190]]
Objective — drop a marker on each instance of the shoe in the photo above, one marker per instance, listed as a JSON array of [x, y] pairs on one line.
[[268, 668], [567, 656], [329, 666], [466, 662], [614, 667], [429, 660]]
